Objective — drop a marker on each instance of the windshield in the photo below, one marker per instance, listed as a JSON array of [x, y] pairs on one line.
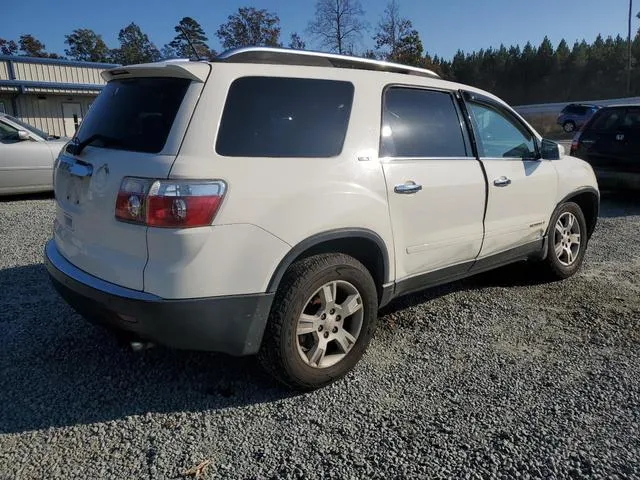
[[26, 126], [135, 114]]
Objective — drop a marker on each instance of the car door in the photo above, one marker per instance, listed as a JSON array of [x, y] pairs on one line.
[[24, 164], [521, 187], [435, 185]]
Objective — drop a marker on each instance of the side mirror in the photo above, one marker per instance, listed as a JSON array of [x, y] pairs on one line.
[[23, 135], [551, 150]]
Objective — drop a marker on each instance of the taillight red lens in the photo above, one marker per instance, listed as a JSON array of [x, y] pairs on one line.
[[574, 143], [181, 211], [169, 203], [130, 204]]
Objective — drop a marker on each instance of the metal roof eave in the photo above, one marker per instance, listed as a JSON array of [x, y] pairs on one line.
[[56, 61], [22, 85]]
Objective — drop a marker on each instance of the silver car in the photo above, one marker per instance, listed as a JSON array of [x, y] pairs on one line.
[[26, 157]]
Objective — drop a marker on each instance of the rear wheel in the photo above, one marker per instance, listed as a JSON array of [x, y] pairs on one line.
[[567, 241], [569, 126], [322, 320]]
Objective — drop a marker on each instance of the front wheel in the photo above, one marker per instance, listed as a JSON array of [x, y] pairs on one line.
[[567, 241], [322, 320]]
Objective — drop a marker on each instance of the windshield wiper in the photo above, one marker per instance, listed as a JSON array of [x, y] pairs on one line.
[[76, 148]]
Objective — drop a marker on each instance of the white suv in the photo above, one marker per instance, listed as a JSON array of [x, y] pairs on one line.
[[271, 201]]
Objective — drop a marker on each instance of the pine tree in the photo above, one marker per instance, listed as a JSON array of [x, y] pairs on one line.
[[189, 30]]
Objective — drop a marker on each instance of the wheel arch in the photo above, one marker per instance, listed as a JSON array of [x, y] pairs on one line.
[[364, 245], [588, 199]]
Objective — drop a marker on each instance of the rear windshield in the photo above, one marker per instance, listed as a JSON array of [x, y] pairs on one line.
[[285, 117], [134, 114]]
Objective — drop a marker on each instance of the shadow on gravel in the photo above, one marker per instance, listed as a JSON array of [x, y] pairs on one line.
[[26, 196], [515, 275], [619, 204], [58, 370]]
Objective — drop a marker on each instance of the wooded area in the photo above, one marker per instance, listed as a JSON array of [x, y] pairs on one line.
[[531, 74]]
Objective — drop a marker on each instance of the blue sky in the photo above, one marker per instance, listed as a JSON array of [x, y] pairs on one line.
[[444, 25]]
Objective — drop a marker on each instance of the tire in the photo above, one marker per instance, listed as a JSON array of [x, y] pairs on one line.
[[558, 264], [300, 302], [569, 126]]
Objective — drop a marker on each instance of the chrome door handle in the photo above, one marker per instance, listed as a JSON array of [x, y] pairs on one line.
[[407, 188], [502, 181]]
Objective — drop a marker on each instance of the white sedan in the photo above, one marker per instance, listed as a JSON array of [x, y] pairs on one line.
[[26, 157]]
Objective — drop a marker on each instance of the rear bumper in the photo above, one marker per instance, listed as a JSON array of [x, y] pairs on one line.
[[231, 324]]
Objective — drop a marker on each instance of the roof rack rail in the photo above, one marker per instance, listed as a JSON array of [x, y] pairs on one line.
[[286, 56]]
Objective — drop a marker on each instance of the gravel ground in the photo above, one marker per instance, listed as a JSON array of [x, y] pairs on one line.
[[499, 375]]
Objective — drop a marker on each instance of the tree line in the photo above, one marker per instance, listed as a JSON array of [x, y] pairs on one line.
[[531, 74]]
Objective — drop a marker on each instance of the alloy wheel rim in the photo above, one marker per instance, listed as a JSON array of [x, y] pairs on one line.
[[330, 324], [567, 239]]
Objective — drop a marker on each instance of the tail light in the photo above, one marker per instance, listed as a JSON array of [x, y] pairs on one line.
[[169, 203], [575, 142]]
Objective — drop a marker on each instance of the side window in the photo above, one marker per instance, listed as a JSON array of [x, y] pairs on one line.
[[8, 134], [2, 110], [607, 120], [500, 136], [632, 119], [285, 117], [420, 123]]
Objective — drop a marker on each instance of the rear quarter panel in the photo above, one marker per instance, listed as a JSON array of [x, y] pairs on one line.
[[292, 198]]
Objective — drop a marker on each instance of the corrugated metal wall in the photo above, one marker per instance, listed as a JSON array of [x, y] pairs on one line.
[[38, 72], [46, 113], [6, 102], [4, 70], [41, 105]]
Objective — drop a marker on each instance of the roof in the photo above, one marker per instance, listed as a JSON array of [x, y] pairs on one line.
[[621, 105], [285, 56]]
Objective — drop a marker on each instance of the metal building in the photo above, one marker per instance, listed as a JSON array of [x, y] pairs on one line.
[[50, 94]]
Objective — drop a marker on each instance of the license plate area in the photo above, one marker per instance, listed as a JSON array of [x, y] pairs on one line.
[[71, 189]]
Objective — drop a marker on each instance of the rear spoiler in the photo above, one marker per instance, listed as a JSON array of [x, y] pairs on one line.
[[196, 71]]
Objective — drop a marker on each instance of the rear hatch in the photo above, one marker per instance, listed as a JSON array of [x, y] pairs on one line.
[[134, 129]]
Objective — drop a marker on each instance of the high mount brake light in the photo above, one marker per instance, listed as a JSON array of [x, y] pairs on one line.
[[169, 203]]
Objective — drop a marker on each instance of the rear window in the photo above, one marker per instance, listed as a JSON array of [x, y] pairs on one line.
[[632, 119], [134, 114], [420, 123], [606, 120], [285, 117], [575, 109]]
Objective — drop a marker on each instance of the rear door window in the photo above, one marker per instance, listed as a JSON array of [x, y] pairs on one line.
[[285, 117], [134, 114], [419, 123]]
